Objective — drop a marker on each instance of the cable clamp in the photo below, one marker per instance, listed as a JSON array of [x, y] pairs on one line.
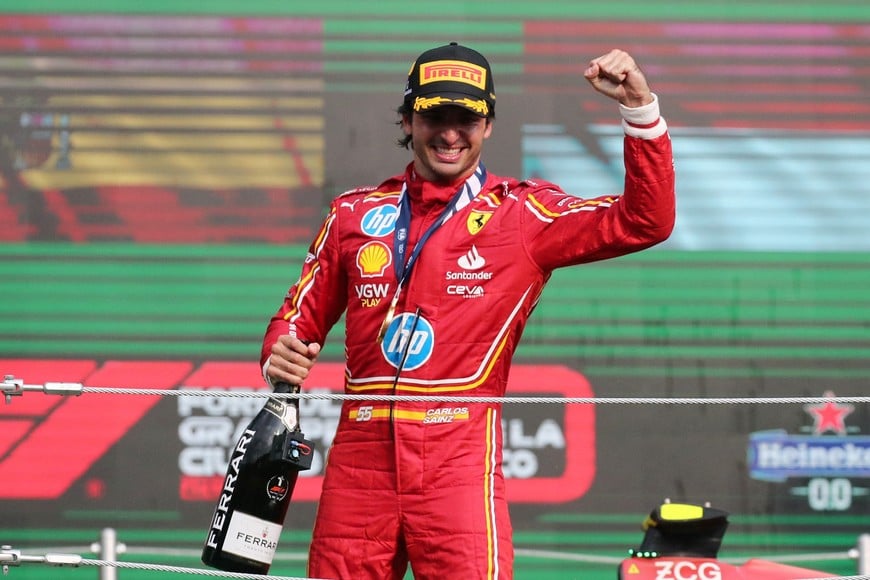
[[9, 557], [12, 387]]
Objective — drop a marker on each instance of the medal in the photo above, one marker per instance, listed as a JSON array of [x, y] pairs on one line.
[[388, 319]]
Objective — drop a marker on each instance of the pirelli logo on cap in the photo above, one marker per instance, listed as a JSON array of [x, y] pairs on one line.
[[455, 71]]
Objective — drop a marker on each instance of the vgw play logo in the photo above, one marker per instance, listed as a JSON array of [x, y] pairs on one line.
[[833, 456]]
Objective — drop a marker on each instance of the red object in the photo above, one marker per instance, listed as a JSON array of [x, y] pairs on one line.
[[423, 480], [677, 568]]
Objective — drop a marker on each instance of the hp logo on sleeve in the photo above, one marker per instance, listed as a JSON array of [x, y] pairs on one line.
[[380, 221]]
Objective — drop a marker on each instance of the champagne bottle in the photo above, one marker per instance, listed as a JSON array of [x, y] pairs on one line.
[[259, 483]]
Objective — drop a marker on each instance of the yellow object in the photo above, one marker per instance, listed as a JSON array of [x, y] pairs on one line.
[[681, 511]]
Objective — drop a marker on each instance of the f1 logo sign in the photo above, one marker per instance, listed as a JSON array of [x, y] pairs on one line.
[[48, 442]]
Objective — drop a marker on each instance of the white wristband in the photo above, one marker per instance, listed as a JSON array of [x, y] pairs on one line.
[[645, 121]]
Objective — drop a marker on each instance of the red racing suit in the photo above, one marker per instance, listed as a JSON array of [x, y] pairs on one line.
[[421, 482]]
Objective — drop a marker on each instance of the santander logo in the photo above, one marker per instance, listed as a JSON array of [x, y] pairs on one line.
[[472, 260]]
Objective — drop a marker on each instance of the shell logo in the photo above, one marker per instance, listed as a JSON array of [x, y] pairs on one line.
[[373, 258]]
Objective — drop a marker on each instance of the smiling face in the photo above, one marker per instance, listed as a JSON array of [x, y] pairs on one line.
[[446, 141]]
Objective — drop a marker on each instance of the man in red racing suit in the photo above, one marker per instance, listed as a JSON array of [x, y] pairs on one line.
[[421, 482]]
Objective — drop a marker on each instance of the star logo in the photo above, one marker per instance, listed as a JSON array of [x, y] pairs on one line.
[[829, 416]]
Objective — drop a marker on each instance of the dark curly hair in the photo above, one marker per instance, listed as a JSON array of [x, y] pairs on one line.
[[404, 112]]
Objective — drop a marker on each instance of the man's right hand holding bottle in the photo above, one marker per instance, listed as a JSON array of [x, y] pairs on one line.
[[291, 360]]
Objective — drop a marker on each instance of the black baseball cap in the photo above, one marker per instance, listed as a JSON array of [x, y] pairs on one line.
[[451, 75]]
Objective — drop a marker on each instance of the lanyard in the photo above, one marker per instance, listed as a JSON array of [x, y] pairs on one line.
[[404, 266], [461, 198]]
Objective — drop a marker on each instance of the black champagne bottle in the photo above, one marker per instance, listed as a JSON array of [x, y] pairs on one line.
[[259, 483]]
